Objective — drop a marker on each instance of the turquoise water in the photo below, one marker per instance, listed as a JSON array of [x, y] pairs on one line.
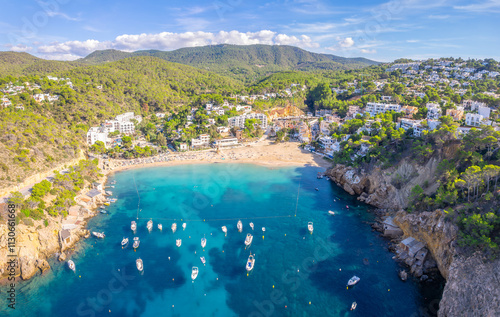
[[295, 274]]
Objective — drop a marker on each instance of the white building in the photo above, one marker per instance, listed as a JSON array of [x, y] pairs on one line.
[[202, 141], [97, 134], [433, 111], [239, 121], [374, 108], [473, 119], [484, 111], [226, 142]]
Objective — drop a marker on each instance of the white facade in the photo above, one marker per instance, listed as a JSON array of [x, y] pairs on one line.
[[484, 111], [473, 119], [226, 142], [433, 111], [239, 121], [97, 134], [201, 141], [374, 108]]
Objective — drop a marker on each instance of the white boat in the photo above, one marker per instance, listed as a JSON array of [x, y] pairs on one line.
[[139, 265], [174, 227], [103, 211], [178, 242], [109, 193], [133, 225], [248, 239], [331, 212], [251, 225], [239, 225], [263, 229], [160, 226], [354, 305], [224, 229], [150, 225], [310, 227], [71, 265], [353, 281], [203, 242], [203, 260], [100, 235], [124, 241], [184, 226], [136, 243], [194, 273], [250, 262]]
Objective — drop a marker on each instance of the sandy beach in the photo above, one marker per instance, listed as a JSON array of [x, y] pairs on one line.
[[262, 153]]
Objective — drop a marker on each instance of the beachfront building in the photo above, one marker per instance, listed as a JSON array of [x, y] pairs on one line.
[[225, 142], [374, 108], [202, 141], [97, 134], [239, 121], [183, 147]]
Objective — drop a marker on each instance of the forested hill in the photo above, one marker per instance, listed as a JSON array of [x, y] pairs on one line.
[[245, 62], [19, 64]]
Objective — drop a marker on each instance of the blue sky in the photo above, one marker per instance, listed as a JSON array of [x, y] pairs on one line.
[[379, 30]]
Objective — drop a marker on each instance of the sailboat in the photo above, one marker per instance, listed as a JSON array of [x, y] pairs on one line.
[[160, 226], [251, 225], [184, 226], [139, 265], [71, 265], [250, 262], [203, 242], [174, 227], [224, 229], [133, 225], [239, 225], [310, 227], [248, 239], [136, 243], [124, 241], [194, 273], [150, 225], [178, 242]]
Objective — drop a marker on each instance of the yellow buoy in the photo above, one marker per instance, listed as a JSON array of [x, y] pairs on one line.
[[273, 286], [309, 303]]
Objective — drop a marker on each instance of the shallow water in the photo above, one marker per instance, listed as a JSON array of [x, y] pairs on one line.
[[296, 273]]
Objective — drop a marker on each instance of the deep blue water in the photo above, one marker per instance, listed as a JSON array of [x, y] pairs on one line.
[[295, 274]]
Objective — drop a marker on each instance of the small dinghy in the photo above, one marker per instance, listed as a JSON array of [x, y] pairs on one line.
[[251, 225], [239, 225], [203, 242], [250, 262], [224, 229], [263, 229], [150, 225], [203, 260], [133, 225], [124, 241], [248, 239], [331, 212], [160, 226], [139, 265], [194, 273], [103, 211], [136, 243], [178, 242], [99, 235], [71, 265], [310, 227], [354, 305], [174, 227], [317, 189], [353, 281], [184, 226]]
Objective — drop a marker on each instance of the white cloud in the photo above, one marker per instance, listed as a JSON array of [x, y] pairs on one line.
[[347, 42], [62, 15], [171, 41], [438, 17], [19, 48], [488, 6], [365, 51], [412, 41]]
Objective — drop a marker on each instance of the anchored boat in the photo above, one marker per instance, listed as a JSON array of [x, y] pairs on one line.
[[263, 229], [250, 262], [174, 227], [203, 260], [99, 235], [203, 242], [239, 225], [150, 225], [178, 242], [224, 229], [354, 305], [160, 226], [248, 239], [71, 265], [184, 226], [139, 265], [331, 212], [251, 225], [124, 241], [353, 281], [194, 273], [136, 243], [310, 227], [133, 225]]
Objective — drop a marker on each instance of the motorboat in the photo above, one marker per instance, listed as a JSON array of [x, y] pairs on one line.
[[354, 305], [251, 225], [248, 239], [353, 281], [263, 229], [203, 260], [100, 235], [317, 189], [160, 226], [106, 204], [250, 262], [136, 243], [224, 229], [139, 265], [150, 225], [133, 225], [178, 242], [203, 242], [331, 212], [71, 265], [109, 193], [310, 227], [184, 226], [194, 273], [174, 227], [239, 225], [103, 211], [124, 241]]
